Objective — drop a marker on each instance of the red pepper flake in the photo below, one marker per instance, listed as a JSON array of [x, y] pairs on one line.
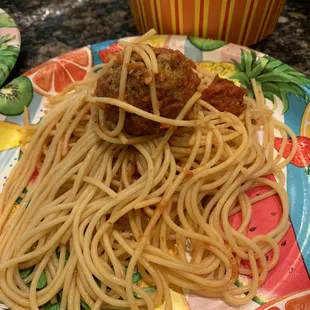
[[162, 206], [164, 126], [188, 173]]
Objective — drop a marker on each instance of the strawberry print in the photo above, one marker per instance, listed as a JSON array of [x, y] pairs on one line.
[[106, 54]]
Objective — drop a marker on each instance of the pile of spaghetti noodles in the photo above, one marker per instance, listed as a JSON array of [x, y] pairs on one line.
[[107, 206]]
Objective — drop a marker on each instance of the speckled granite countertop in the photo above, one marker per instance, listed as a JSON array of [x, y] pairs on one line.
[[49, 28]]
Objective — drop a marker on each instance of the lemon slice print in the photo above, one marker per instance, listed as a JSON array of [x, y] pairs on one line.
[[305, 123], [223, 69], [10, 135], [157, 41], [178, 299]]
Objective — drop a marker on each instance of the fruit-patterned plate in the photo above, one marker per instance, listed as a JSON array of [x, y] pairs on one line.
[[286, 91], [9, 45]]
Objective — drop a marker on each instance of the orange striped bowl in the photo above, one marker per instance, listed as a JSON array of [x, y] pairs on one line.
[[243, 22]]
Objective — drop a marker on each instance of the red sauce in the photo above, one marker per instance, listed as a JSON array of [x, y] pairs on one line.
[[225, 96]]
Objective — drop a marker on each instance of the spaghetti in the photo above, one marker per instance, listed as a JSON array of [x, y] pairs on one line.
[[108, 207]]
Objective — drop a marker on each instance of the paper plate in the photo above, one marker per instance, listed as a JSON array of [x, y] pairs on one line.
[[9, 45], [286, 91]]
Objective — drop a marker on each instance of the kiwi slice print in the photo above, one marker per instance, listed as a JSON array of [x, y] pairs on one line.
[[206, 44], [6, 20], [15, 96]]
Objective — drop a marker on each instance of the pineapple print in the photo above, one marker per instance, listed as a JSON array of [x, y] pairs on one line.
[[275, 77]]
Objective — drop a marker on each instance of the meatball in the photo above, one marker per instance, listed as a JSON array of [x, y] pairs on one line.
[[176, 82], [224, 95]]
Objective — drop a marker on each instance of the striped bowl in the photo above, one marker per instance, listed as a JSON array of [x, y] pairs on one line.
[[243, 22]]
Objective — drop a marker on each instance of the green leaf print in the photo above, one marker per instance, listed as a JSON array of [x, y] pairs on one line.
[[50, 306], [258, 68], [42, 281], [8, 56]]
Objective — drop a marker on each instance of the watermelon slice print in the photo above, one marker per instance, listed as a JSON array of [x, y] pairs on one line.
[[290, 274]]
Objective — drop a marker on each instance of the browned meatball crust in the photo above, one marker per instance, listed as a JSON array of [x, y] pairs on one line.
[[176, 82]]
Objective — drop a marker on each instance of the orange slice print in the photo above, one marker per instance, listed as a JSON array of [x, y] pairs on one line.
[[54, 75], [305, 123], [300, 303]]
